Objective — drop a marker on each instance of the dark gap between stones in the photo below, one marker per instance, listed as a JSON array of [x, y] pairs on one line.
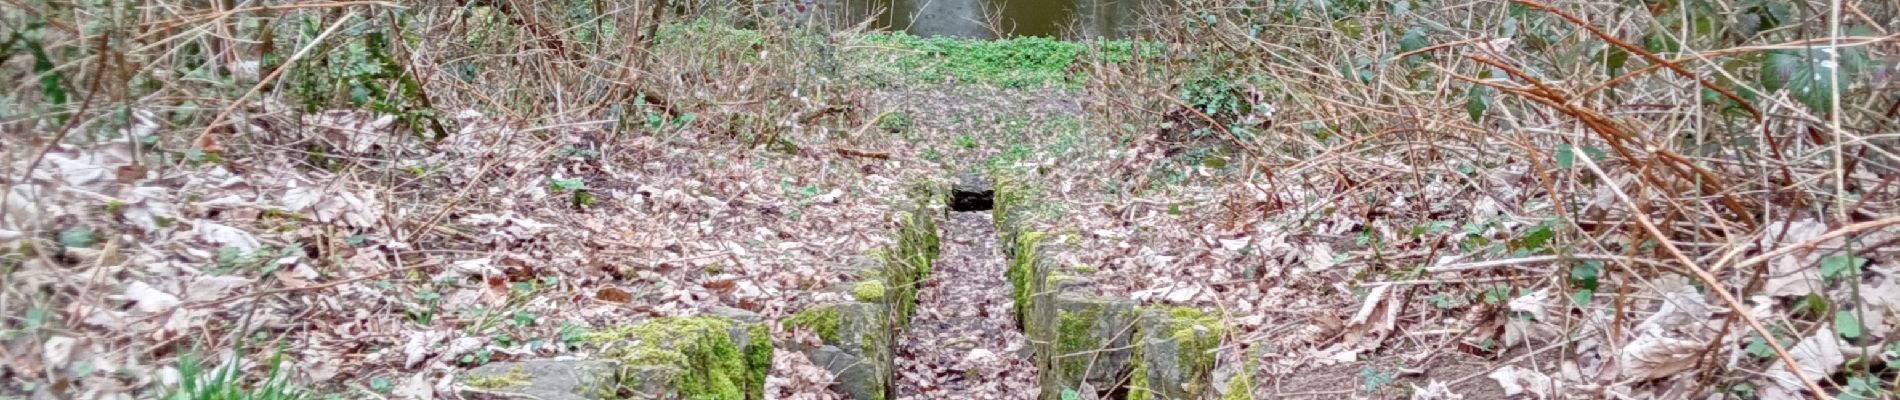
[[972, 193]]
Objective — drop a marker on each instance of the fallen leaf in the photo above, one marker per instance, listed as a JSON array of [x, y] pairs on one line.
[[613, 294], [227, 236], [206, 288], [148, 299], [1517, 381], [1818, 356], [1654, 356]]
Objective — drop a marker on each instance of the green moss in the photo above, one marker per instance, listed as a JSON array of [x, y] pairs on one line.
[[514, 378], [1241, 386], [1022, 271], [1138, 379], [1075, 341], [758, 358], [711, 366], [871, 291], [822, 320], [1196, 333], [1085, 269], [909, 260]]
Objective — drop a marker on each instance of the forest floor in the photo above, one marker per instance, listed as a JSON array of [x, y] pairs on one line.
[[338, 253]]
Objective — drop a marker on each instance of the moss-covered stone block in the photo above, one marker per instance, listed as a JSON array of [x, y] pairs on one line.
[[1174, 353], [707, 357], [857, 345], [1092, 342]]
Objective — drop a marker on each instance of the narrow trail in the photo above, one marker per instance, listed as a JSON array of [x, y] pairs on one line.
[[963, 342]]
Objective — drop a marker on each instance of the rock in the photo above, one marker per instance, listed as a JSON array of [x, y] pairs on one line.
[[858, 338], [710, 357], [1071, 283], [540, 379], [1093, 340], [971, 192], [1172, 345], [856, 377], [736, 315], [859, 267]]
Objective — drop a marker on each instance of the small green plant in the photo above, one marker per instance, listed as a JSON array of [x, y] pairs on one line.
[[576, 152], [78, 237], [894, 122], [576, 189], [196, 382], [966, 141], [1760, 349], [425, 316], [1865, 387], [1375, 378]]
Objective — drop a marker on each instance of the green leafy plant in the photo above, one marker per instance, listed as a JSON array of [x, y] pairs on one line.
[[895, 122], [576, 188], [1373, 378], [197, 382], [1810, 74], [1865, 387], [966, 141], [78, 236], [1841, 266], [1759, 348]]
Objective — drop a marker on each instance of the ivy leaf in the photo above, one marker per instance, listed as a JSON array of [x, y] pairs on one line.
[[1759, 348], [1842, 265], [78, 237], [1477, 100], [1536, 238], [1070, 394], [1810, 75], [1847, 324], [1414, 39], [229, 256], [1614, 61], [1585, 274], [567, 184], [1350, 27]]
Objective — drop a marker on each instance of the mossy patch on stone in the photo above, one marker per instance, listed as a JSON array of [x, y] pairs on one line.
[[870, 291], [909, 260], [822, 320], [1075, 342], [701, 352], [513, 378], [1172, 353], [1084, 269], [1240, 387], [1022, 271], [758, 356]]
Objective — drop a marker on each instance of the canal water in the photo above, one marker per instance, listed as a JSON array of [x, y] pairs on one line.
[[991, 19]]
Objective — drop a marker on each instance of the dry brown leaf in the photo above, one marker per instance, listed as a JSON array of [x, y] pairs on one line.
[[613, 294], [1653, 356], [1517, 381], [1818, 356]]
